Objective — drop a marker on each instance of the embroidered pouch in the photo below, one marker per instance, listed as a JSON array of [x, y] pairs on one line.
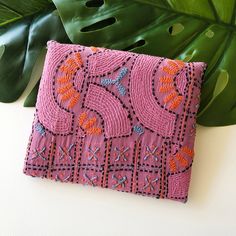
[[115, 119]]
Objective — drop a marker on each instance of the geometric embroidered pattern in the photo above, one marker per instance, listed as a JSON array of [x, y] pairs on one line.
[[119, 181], [149, 183], [65, 152], [121, 153], [93, 155], [38, 154], [151, 153], [115, 119]]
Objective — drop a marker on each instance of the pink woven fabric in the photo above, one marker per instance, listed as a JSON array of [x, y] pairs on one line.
[[115, 119]]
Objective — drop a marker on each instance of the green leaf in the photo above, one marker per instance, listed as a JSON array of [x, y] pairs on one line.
[[221, 83], [21, 44], [12, 10], [2, 49], [193, 30], [31, 98]]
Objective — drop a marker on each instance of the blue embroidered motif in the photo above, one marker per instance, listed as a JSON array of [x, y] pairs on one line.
[[120, 181], [138, 129], [91, 180], [39, 128], [116, 82]]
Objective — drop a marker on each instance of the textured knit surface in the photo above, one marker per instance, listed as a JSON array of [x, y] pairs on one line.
[[115, 119]]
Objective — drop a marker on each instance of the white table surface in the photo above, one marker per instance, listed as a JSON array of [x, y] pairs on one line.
[[32, 206]]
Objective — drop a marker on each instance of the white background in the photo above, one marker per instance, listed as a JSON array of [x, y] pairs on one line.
[[32, 206]]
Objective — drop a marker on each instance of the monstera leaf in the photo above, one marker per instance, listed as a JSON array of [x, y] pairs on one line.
[[25, 27], [12, 10], [191, 30]]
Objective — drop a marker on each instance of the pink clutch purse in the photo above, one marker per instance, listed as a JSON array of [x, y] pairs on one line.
[[115, 119]]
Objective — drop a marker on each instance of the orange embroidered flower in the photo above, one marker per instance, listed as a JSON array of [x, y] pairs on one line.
[[88, 124], [183, 158], [66, 90], [173, 99]]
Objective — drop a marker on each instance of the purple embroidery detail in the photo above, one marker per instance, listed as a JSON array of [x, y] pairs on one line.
[[39, 154], [90, 180], [151, 153], [121, 153], [120, 181], [93, 154], [149, 183], [65, 152]]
